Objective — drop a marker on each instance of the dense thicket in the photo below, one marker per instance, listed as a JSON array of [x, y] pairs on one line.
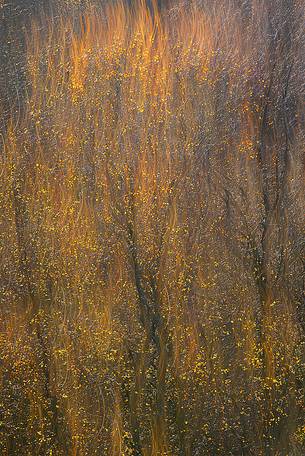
[[151, 237]]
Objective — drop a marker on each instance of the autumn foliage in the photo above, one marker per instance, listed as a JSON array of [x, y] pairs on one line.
[[151, 233]]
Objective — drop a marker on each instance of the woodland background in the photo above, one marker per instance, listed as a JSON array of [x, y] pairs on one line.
[[151, 235]]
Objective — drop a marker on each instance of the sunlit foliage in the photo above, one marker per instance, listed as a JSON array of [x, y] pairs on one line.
[[151, 233]]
